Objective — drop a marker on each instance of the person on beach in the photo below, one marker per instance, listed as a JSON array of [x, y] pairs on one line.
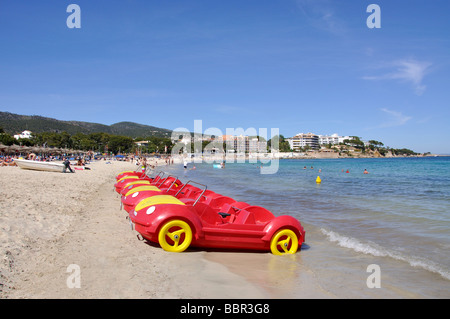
[[8, 161], [80, 161], [185, 164], [67, 165], [144, 164]]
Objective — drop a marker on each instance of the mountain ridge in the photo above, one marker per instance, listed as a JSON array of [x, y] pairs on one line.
[[16, 123]]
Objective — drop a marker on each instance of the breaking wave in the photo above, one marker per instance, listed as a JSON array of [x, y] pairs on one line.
[[370, 248]]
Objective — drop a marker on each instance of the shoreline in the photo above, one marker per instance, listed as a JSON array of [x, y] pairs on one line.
[[195, 158]]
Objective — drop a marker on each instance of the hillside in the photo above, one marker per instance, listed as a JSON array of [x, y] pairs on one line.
[[15, 124]]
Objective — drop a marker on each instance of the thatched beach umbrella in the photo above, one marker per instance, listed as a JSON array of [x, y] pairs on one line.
[[35, 149], [52, 150], [13, 148], [25, 149]]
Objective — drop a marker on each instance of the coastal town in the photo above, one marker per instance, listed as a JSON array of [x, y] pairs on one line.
[[302, 145]]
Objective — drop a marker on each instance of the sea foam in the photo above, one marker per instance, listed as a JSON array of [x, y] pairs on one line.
[[371, 248]]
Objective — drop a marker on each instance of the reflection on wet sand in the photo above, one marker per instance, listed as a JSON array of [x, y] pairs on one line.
[[279, 276]]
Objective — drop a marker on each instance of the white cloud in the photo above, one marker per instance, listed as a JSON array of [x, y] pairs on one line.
[[410, 71], [321, 15], [395, 118]]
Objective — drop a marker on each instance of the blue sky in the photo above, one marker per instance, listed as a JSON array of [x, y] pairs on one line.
[[296, 65]]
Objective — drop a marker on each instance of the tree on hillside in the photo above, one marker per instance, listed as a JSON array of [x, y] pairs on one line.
[[375, 144], [283, 145], [403, 151], [122, 144], [5, 138], [354, 141], [52, 139], [100, 140]]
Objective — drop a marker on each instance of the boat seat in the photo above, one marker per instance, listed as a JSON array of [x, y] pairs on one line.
[[218, 202], [187, 191], [208, 196], [240, 205], [260, 214], [228, 213], [207, 214], [244, 217]]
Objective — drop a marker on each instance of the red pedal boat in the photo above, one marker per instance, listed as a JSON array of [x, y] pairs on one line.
[[198, 218]]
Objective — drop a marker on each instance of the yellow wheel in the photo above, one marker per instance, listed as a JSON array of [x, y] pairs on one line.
[[175, 236], [284, 242]]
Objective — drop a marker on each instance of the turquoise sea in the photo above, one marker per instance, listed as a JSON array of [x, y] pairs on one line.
[[397, 217]]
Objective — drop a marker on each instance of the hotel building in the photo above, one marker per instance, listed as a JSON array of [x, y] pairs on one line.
[[314, 141], [333, 139], [303, 140]]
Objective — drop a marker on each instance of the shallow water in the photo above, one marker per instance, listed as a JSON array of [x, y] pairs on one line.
[[397, 217]]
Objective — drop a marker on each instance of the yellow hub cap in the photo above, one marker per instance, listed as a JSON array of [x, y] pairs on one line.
[[284, 241], [175, 236]]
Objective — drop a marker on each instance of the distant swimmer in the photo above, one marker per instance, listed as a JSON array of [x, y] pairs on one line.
[[347, 171], [365, 171]]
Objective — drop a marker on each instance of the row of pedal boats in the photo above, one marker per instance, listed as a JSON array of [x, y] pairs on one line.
[[177, 216]]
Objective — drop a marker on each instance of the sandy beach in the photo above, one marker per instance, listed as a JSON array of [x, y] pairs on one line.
[[56, 225]]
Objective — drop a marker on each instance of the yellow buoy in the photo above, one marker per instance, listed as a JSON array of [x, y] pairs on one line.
[[318, 180]]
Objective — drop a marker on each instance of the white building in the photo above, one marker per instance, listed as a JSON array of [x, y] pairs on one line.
[[24, 134], [333, 139], [314, 141], [303, 140], [243, 144]]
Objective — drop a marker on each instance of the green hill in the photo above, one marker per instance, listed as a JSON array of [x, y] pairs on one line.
[[15, 124]]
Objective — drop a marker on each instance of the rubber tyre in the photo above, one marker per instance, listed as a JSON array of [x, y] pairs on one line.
[[175, 236], [284, 242]]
